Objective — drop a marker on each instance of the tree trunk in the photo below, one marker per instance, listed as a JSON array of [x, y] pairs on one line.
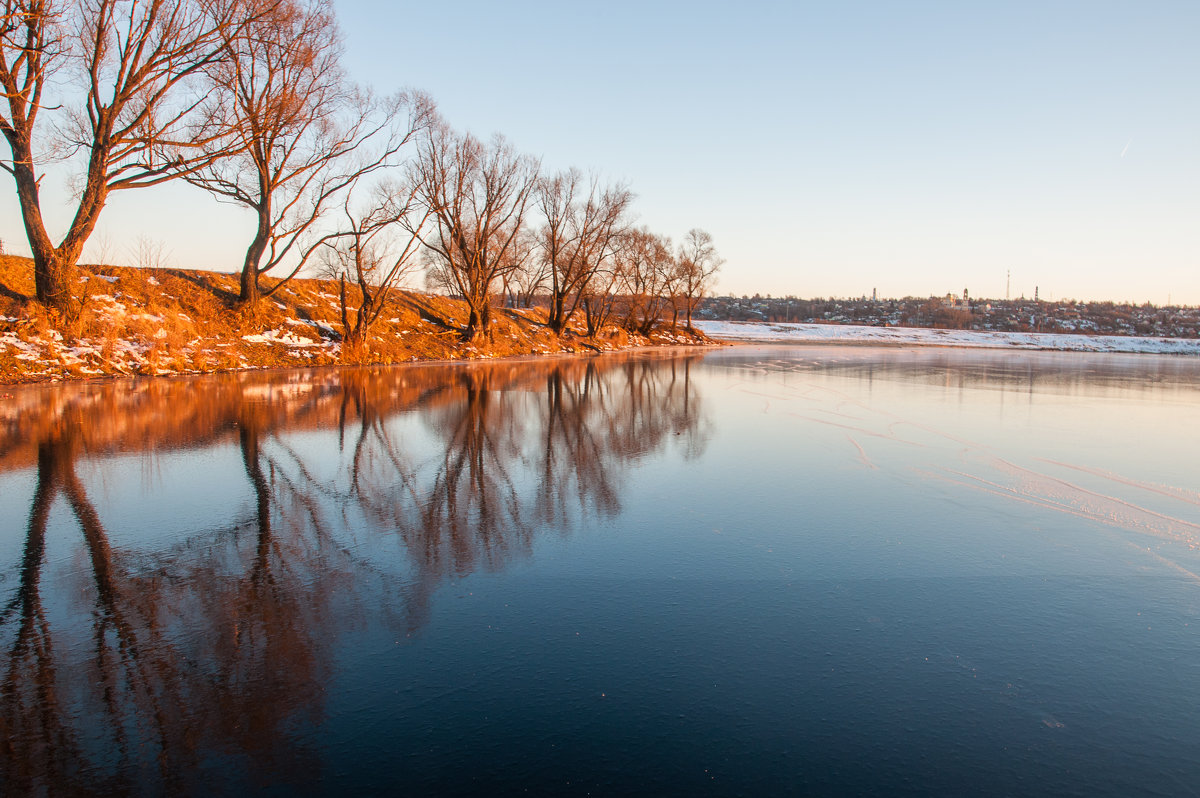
[[474, 324], [342, 302], [52, 275], [54, 268], [52, 281], [653, 306], [556, 321], [250, 291]]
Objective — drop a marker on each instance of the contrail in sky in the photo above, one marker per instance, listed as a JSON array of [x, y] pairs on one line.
[[1126, 147]]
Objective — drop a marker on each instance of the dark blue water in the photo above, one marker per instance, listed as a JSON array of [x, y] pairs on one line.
[[761, 570]]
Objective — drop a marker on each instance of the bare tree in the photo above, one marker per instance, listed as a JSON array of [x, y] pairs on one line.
[[136, 64], [301, 133], [523, 282], [478, 194], [697, 266], [599, 295], [646, 265], [578, 236], [375, 249], [148, 252], [102, 249]]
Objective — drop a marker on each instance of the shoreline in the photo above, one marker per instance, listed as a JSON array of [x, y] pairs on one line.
[[24, 381], [104, 379], [172, 322], [796, 333]]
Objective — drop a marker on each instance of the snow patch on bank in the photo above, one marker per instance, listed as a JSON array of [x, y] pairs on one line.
[[280, 337]]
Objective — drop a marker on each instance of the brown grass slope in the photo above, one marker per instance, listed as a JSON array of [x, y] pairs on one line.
[[175, 321]]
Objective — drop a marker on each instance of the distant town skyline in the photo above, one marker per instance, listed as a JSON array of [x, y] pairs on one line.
[[830, 149]]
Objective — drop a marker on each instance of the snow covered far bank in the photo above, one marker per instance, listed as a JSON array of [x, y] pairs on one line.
[[910, 336]]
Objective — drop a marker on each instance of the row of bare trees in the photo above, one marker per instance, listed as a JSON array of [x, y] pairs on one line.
[[244, 98], [563, 240], [247, 99]]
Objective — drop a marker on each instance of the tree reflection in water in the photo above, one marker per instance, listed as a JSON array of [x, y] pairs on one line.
[[207, 662]]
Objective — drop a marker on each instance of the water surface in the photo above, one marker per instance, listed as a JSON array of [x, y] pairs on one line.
[[761, 570]]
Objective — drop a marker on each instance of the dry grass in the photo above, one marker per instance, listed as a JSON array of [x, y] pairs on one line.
[[173, 321]]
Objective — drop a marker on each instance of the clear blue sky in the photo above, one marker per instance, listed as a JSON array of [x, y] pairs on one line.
[[830, 148]]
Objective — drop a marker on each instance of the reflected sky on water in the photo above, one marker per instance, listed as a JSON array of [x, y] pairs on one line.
[[757, 570]]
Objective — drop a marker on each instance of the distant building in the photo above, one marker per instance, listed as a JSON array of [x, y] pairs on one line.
[[955, 303]]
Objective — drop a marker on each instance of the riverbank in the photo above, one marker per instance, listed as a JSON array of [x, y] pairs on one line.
[[761, 332], [175, 321]]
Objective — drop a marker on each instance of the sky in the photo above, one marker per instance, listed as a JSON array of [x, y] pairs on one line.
[[831, 148]]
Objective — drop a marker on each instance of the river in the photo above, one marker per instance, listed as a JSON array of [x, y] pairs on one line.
[[757, 570]]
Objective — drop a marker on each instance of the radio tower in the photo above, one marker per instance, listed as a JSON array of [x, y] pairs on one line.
[[1007, 283]]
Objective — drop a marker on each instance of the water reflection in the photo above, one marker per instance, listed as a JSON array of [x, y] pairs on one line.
[[205, 660], [1024, 372]]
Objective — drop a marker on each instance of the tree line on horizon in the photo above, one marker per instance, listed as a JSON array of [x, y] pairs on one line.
[[248, 100]]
